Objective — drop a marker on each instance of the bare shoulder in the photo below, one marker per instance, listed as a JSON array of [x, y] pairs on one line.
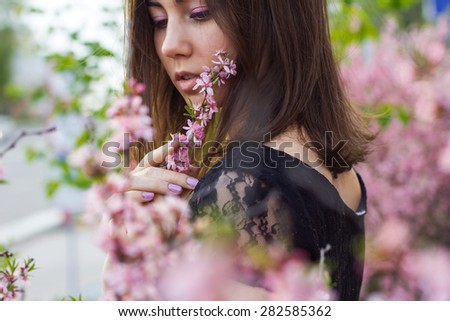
[[347, 183], [349, 188]]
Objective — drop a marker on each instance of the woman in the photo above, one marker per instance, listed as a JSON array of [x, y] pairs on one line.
[[288, 174]]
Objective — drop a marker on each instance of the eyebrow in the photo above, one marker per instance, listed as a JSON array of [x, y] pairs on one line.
[[150, 3]]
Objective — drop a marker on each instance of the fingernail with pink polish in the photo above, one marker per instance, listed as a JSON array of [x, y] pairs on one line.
[[175, 188], [192, 181], [148, 195]]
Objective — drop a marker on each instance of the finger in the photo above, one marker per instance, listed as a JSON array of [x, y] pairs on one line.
[[181, 179], [154, 185], [155, 157], [140, 196], [162, 181], [193, 171]]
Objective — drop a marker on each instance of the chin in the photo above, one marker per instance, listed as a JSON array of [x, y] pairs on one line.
[[196, 99], [199, 98]]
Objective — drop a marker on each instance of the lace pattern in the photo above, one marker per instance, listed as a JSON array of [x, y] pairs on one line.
[[267, 201]]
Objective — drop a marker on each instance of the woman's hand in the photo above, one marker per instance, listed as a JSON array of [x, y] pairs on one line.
[[150, 178]]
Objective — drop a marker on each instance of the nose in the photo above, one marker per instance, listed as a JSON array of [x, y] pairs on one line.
[[176, 42]]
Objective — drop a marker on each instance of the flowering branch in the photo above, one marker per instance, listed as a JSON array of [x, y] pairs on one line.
[[12, 274], [200, 114]]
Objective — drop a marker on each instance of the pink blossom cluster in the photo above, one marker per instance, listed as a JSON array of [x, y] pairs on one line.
[[129, 116], [11, 275], [142, 241], [402, 69], [153, 247], [201, 114], [218, 275], [408, 174], [89, 159]]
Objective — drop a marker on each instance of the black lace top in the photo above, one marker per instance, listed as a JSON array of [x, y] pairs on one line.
[[272, 196]]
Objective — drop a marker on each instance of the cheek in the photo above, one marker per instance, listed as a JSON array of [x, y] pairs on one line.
[[218, 40], [158, 41]]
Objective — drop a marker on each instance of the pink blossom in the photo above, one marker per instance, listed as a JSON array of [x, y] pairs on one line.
[[205, 83], [117, 183], [196, 131], [426, 106], [428, 273], [90, 159], [294, 282], [95, 205], [129, 282], [3, 288], [204, 118], [212, 104], [24, 272], [136, 87], [407, 175], [204, 267], [444, 159], [219, 53], [130, 121], [198, 108], [392, 238], [119, 107], [429, 42]]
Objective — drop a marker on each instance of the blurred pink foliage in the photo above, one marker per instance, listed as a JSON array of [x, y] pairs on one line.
[[408, 174]]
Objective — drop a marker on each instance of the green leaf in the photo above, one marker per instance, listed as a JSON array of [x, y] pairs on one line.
[[52, 187], [12, 264], [13, 91], [83, 138], [190, 111], [98, 50], [3, 182], [35, 10], [385, 115], [38, 94], [404, 116], [74, 35], [75, 105], [72, 298], [32, 154], [64, 62]]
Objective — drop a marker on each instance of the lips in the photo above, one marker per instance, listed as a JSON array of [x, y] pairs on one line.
[[184, 75], [186, 81]]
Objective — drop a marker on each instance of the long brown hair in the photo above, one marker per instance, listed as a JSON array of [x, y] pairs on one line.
[[287, 78]]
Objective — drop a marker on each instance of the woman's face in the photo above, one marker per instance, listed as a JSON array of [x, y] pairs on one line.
[[186, 37]]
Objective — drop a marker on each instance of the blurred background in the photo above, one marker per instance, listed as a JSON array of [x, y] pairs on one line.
[[53, 60], [61, 64]]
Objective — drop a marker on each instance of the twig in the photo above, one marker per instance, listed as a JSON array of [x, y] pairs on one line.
[[6, 254], [26, 133]]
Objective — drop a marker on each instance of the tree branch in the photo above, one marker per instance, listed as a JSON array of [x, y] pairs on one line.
[[26, 133]]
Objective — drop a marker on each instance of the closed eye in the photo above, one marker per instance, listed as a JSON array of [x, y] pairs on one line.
[[201, 15], [159, 23]]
